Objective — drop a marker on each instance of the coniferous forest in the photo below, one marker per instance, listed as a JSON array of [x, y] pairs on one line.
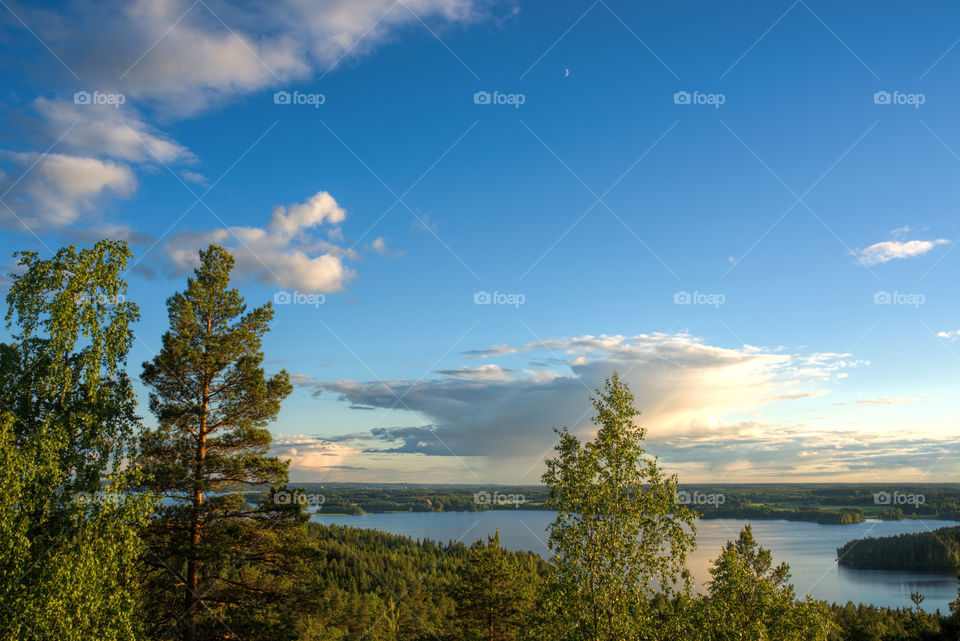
[[932, 550], [114, 527]]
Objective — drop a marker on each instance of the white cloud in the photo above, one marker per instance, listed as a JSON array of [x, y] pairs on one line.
[[98, 143], [55, 189], [681, 384], [178, 58], [184, 57], [489, 372], [952, 336], [287, 253], [195, 177], [315, 456], [774, 451], [891, 249], [320, 208], [103, 130], [496, 350]]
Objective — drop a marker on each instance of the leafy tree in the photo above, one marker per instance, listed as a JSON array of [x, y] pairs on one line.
[[751, 599], [494, 594], [217, 566], [68, 529], [620, 537]]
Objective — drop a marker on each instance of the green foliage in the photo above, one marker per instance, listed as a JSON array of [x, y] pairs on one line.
[[859, 622], [620, 537], [380, 587], [68, 528], [495, 592], [750, 599], [217, 565]]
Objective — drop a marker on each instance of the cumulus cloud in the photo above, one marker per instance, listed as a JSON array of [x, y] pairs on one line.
[[319, 209], [892, 249], [97, 146], [683, 386], [54, 189], [951, 336], [174, 59], [288, 252]]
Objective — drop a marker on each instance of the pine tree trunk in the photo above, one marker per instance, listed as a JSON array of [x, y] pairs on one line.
[[191, 599]]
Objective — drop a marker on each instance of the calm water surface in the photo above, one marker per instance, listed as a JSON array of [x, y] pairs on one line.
[[809, 548]]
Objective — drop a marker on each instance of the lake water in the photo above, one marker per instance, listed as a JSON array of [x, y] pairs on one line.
[[809, 548]]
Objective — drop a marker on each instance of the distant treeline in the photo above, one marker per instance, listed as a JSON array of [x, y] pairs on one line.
[[816, 515], [819, 503], [376, 499], [935, 550]]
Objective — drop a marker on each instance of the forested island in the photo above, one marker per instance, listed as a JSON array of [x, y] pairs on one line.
[[934, 550]]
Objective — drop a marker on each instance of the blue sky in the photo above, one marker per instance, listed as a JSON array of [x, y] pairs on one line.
[[774, 274]]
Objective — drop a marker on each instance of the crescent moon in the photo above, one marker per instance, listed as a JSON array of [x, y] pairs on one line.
[[566, 72]]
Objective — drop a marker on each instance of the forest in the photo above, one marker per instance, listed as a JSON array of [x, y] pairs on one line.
[[934, 550], [118, 530]]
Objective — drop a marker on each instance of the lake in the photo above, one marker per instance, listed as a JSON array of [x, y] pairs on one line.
[[809, 548]]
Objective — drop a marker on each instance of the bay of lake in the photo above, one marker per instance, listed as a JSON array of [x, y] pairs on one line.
[[809, 548]]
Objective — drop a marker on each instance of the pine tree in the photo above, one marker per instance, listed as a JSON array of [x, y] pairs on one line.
[[68, 527], [216, 566], [494, 593], [751, 599]]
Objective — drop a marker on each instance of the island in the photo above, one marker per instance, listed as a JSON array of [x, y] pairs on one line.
[[932, 550]]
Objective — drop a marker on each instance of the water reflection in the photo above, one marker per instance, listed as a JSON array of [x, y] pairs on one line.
[[809, 549]]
